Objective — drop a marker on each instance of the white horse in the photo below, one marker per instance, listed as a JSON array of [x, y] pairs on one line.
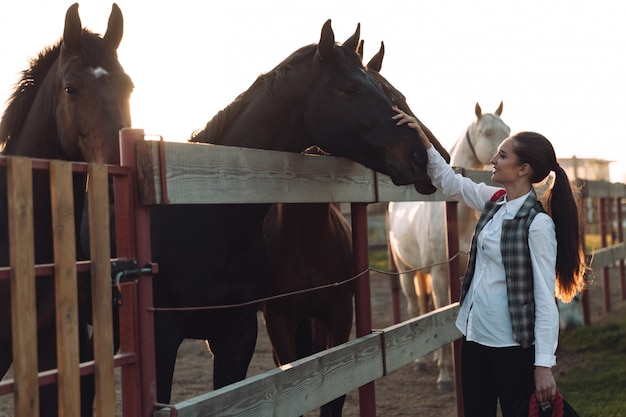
[[417, 231]]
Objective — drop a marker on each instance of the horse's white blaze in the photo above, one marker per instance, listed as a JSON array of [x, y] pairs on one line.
[[417, 232], [98, 72]]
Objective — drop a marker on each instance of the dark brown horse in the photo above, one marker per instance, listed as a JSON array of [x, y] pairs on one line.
[[310, 245], [70, 105], [216, 254]]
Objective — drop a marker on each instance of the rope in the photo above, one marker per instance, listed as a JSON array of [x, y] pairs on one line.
[[469, 142], [288, 294]]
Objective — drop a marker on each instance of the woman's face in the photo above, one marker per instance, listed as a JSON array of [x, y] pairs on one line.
[[506, 165]]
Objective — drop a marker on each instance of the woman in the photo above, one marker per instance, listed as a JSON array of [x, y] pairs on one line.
[[522, 255]]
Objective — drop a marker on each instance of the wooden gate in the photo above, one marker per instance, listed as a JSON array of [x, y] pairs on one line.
[[23, 274]]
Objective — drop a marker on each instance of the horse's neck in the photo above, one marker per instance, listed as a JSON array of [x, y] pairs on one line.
[[258, 119], [38, 137], [462, 154]]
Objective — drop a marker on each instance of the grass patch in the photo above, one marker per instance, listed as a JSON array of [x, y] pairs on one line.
[[596, 385], [379, 259]]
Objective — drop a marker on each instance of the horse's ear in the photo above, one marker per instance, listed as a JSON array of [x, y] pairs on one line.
[[327, 42], [498, 111], [115, 29], [73, 28], [359, 49], [478, 111], [352, 43], [376, 63]]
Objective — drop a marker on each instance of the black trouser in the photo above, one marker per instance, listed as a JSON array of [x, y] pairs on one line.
[[489, 374]]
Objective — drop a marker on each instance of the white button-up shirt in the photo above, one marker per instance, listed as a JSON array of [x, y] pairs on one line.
[[484, 316]]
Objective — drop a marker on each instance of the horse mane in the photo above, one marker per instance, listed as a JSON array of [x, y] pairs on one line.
[[25, 91], [265, 84]]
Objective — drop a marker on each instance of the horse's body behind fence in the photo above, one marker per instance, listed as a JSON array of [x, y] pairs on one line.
[[417, 236], [70, 105], [214, 255], [311, 246]]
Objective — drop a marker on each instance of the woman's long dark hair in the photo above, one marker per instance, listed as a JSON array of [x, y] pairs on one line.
[[562, 202]]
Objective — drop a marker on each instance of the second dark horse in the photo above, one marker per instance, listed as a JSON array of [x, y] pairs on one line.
[[321, 96]]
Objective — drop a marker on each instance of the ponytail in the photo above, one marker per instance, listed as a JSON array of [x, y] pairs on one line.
[[562, 204]]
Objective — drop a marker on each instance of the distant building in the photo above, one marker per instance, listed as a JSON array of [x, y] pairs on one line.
[[592, 169], [586, 168]]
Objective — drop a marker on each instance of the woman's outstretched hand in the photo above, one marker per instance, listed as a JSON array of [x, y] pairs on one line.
[[410, 121]]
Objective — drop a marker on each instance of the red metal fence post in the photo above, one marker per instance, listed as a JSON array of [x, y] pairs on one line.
[[362, 298], [452, 230], [620, 239], [140, 237], [604, 220]]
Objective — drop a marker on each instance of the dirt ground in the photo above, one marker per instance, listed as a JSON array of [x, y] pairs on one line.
[[405, 392]]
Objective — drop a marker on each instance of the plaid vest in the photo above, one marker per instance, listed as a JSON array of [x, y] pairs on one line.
[[517, 265]]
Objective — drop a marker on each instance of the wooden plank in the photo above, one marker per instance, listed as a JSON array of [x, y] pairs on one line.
[[68, 361], [310, 382], [204, 173], [415, 338], [606, 256], [295, 388], [618, 190], [214, 174], [23, 309], [98, 198], [597, 189]]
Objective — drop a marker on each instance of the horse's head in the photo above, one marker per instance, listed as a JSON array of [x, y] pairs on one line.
[[321, 95], [92, 91], [396, 97], [348, 114], [486, 133]]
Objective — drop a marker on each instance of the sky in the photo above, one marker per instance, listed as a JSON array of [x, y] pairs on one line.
[[558, 66]]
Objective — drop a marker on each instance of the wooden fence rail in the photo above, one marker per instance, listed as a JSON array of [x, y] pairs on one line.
[[308, 383]]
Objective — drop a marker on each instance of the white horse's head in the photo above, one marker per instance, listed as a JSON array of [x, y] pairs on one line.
[[481, 140]]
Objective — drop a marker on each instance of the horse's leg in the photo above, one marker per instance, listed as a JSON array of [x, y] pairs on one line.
[[409, 289], [48, 399], [6, 344], [416, 295], [87, 382], [310, 337], [233, 352], [6, 358], [338, 324], [282, 329], [168, 335], [46, 341], [424, 291], [441, 298]]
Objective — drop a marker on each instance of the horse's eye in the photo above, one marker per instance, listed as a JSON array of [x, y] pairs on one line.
[[71, 90], [349, 90]]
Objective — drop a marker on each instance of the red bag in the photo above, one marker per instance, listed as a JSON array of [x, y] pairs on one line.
[[558, 408]]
